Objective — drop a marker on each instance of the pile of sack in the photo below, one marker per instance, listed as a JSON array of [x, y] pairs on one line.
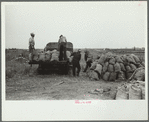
[[20, 59], [132, 91], [111, 67], [47, 56]]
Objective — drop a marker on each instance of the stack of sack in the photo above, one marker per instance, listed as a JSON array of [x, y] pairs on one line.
[[21, 60], [68, 54], [139, 74], [34, 55], [111, 67], [54, 55], [133, 91], [47, 56]]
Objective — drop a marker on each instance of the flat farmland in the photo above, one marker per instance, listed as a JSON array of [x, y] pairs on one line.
[[24, 83]]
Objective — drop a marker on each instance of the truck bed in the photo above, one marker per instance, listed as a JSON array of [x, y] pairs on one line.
[[52, 66], [48, 62]]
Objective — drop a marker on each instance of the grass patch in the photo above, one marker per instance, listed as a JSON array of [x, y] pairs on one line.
[[16, 68]]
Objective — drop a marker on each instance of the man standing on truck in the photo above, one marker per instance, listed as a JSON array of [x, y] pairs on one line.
[[31, 44], [62, 47], [76, 62]]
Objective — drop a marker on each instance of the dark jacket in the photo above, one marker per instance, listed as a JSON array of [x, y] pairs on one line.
[[76, 56], [85, 56], [88, 56]]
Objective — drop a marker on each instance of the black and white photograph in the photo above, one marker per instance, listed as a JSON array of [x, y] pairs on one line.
[[74, 60]]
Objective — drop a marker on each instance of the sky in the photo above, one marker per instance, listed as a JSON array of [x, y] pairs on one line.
[[93, 24]]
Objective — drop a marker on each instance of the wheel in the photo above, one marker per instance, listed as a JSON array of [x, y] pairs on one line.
[[40, 69], [66, 69]]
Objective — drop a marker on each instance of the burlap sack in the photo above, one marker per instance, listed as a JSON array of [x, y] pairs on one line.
[[133, 67], [68, 54], [137, 60], [105, 67], [117, 67], [128, 74], [109, 55], [55, 56], [42, 57], [30, 57], [140, 75], [48, 52], [143, 92], [118, 59], [130, 59], [98, 68], [128, 68], [106, 76], [93, 75], [35, 52], [98, 56], [102, 59], [143, 64], [124, 58], [110, 68], [122, 94], [93, 65], [53, 51], [122, 67], [121, 76], [48, 57], [35, 55], [134, 93], [35, 58], [70, 59], [139, 65], [112, 61], [112, 76], [141, 85]]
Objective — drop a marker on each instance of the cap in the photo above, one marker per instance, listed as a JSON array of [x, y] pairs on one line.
[[60, 35], [32, 34]]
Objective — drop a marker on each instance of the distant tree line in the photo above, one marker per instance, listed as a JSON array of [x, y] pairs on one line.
[[124, 49]]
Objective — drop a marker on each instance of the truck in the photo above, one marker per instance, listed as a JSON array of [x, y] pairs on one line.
[[51, 66]]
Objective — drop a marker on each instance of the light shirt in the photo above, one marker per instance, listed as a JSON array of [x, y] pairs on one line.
[[31, 41], [62, 39]]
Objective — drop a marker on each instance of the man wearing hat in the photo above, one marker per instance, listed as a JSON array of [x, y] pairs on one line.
[[62, 47], [31, 43], [76, 62]]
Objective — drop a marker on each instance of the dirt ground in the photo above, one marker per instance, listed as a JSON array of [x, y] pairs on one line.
[[57, 87]]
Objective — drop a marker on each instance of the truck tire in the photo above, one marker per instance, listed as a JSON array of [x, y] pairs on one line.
[[40, 69], [66, 69]]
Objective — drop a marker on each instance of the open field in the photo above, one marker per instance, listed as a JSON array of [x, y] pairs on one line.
[[24, 83]]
